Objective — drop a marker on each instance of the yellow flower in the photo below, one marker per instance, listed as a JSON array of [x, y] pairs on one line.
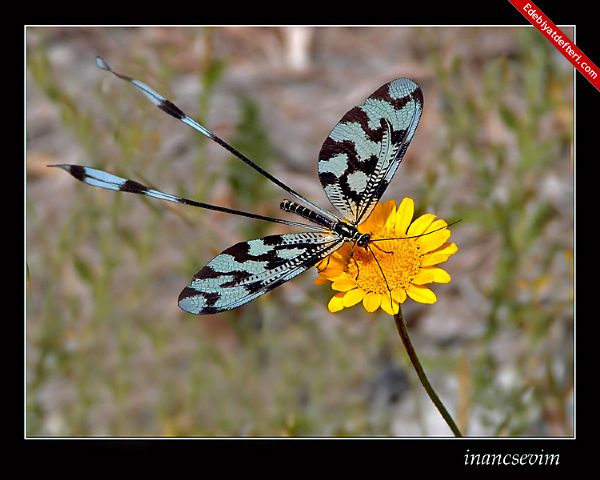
[[408, 261]]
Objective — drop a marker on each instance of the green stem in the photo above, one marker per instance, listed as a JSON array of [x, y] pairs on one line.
[[421, 373]]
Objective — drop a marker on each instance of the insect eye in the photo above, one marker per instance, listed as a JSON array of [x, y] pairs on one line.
[[364, 240]]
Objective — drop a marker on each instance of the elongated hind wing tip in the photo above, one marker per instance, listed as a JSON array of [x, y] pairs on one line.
[[77, 171], [101, 64], [64, 166]]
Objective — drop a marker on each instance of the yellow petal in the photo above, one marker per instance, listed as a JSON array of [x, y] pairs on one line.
[[434, 259], [336, 303], [390, 222], [421, 294], [320, 280], [420, 224], [439, 275], [436, 225], [439, 255], [388, 208], [372, 301], [377, 212], [434, 240], [378, 216], [399, 295], [343, 284], [340, 255], [332, 271], [352, 297], [423, 277], [404, 215], [388, 305], [448, 249], [332, 275], [339, 258], [371, 222]]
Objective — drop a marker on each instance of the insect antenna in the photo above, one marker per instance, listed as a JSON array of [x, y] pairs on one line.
[[355, 261], [387, 285], [416, 236], [381, 249]]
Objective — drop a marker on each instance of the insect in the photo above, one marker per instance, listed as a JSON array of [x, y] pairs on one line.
[[356, 163]]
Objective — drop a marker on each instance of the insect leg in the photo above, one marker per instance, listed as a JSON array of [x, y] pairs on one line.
[[383, 275]]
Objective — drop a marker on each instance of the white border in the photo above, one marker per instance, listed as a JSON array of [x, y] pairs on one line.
[[25, 437]]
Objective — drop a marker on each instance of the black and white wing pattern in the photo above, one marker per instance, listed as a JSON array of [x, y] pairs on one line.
[[250, 269], [356, 163], [361, 154]]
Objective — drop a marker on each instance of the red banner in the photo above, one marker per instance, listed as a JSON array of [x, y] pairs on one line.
[[562, 43]]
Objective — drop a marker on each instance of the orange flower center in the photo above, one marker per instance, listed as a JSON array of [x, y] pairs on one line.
[[399, 260]]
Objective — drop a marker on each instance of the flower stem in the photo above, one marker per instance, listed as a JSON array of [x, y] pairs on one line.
[[421, 373]]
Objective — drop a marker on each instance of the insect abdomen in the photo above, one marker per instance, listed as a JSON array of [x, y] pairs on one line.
[[305, 212]]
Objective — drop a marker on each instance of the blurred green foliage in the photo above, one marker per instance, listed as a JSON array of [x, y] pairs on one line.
[[106, 358], [515, 214]]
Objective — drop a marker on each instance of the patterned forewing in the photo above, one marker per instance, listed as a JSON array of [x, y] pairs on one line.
[[250, 269], [361, 154]]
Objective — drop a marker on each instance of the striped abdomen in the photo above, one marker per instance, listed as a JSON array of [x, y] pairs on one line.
[[344, 230], [305, 212]]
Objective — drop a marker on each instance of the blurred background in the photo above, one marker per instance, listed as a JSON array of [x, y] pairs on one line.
[[109, 353]]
